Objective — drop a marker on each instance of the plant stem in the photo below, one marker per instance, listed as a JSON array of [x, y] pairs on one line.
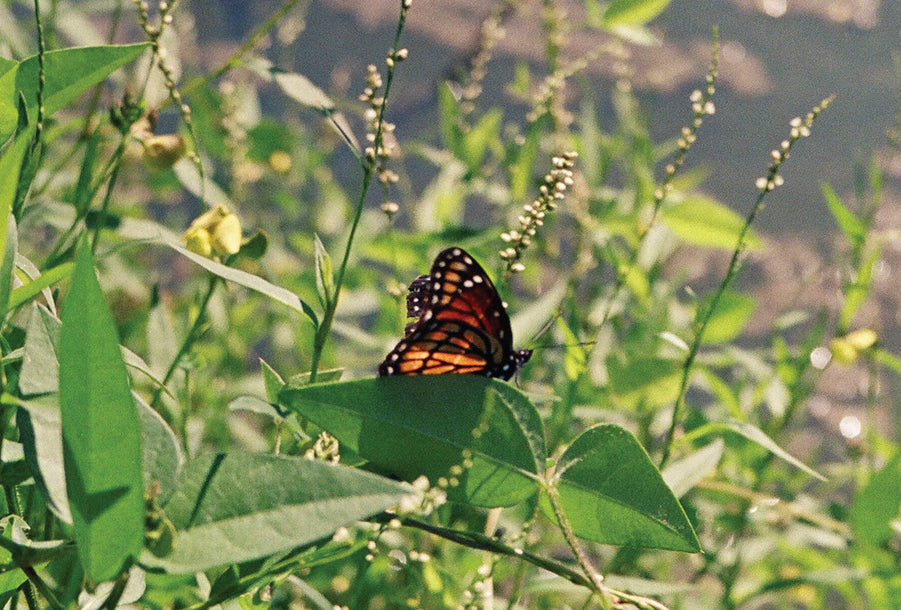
[[369, 165], [190, 338]]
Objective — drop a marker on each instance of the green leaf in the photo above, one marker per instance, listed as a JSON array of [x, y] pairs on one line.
[[161, 454], [704, 222], [449, 118], [479, 138], [611, 492], [754, 434], [653, 382], [300, 89], [69, 73], [325, 279], [101, 430], [729, 318], [10, 167], [856, 294], [231, 508], [81, 199], [40, 365], [272, 381], [850, 226], [29, 290], [422, 425], [25, 551], [633, 12], [877, 504], [683, 474], [41, 434], [248, 280]]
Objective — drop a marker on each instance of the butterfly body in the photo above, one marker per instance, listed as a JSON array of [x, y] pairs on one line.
[[462, 325]]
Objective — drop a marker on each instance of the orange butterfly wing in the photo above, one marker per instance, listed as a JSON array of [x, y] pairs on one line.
[[462, 326]]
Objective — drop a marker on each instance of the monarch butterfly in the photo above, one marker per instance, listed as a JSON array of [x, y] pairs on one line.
[[462, 325]]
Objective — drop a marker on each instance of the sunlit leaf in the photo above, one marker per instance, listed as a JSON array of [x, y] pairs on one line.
[[611, 492], [423, 425], [101, 431]]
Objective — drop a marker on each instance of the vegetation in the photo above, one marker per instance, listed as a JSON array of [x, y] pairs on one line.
[[195, 300]]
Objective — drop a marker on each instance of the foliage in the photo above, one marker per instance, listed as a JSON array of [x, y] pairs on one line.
[[189, 421]]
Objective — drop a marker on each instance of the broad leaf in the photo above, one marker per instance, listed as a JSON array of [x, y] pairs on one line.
[[423, 425], [101, 431], [733, 310], [231, 508], [611, 492], [708, 223], [877, 504]]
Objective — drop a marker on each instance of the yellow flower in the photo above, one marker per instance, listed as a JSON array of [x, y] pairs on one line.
[[162, 152], [216, 231], [847, 349]]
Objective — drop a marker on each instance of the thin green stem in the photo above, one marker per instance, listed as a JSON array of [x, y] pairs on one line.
[[799, 129], [369, 167], [190, 338], [42, 76], [594, 577]]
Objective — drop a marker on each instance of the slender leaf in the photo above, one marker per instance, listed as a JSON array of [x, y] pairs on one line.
[[683, 474], [754, 434], [611, 492], [850, 226], [101, 430], [248, 280], [40, 431], [10, 167], [69, 73], [633, 12], [238, 507], [40, 364], [412, 426], [28, 291]]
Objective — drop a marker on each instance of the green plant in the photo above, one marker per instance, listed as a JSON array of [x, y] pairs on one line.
[[179, 431]]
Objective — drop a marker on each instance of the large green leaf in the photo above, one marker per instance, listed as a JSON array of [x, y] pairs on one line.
[[709, 223], [423, 425], [101, 430], [231, 508], [69, 73], [877, 504], [611, 492]]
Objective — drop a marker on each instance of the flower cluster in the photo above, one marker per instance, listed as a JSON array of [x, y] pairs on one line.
[[800, 128], [551, 192], [381, 145]]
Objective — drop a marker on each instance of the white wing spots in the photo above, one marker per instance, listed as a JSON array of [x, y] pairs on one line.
[[477, 279], [456, 252], [436, 286], [467, 260], [496, 314], [468, 284]]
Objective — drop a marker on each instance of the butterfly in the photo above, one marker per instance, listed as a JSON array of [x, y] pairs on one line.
[[462, 325]]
